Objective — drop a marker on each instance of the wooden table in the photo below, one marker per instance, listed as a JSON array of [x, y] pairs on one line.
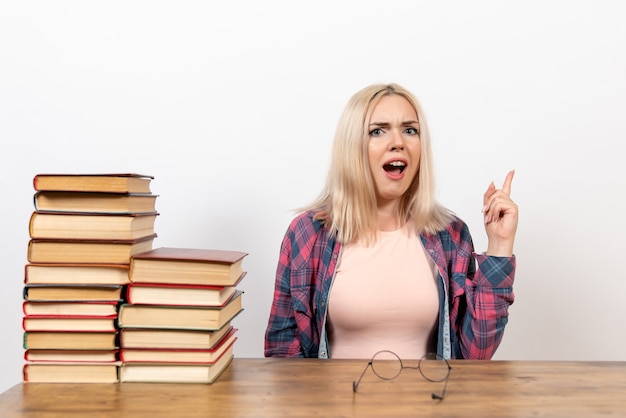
[[311, 387]]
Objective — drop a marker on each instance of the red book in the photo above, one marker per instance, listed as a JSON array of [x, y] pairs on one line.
[[72, 356], [153, 355]]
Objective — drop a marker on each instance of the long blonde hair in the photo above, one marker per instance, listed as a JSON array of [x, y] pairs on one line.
[[347, 204]]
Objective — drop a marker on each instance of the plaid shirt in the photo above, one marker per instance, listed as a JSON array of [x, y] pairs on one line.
[[475, 292]]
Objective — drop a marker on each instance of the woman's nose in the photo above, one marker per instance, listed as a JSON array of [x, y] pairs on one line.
[[396, 142]]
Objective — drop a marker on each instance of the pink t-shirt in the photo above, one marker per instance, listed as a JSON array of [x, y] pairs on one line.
[[384, 297]]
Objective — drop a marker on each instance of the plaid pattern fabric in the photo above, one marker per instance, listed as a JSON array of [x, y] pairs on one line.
[[478, 291]]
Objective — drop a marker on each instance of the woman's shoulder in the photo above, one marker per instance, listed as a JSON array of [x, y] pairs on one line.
[[455, 230], [308, 221]]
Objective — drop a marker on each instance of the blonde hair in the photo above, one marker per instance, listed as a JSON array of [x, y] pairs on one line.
[[347, 204]]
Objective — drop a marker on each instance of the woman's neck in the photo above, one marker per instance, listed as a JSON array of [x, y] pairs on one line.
[[388, 217]]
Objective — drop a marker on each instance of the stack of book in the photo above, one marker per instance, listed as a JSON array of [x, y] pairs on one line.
[[83, 232], [176, 322]]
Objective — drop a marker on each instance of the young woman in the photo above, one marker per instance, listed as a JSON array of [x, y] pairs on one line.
[[375, 263]]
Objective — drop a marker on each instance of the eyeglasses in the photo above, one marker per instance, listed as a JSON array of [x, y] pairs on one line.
[[387, 365]]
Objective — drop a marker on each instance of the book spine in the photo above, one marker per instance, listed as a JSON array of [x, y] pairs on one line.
[[25, 373]]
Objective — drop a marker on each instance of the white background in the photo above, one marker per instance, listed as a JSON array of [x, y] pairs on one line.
[[232, 107]]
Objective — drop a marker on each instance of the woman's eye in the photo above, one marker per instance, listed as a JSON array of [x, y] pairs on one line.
[[376, 132], [412, 131]]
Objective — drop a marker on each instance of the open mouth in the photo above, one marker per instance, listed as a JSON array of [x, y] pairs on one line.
[[395, 167]]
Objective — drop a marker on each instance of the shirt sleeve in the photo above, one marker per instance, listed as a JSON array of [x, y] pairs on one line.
[[280, 337], [480, 299]]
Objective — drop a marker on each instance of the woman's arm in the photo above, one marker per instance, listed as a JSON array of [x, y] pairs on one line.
[[280, 336]]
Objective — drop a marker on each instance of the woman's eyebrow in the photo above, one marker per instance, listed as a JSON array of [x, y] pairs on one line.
[[387, 124]]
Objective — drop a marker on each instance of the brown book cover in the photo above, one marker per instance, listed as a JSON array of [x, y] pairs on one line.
[[187, 266], [73, 225], [88, 202], [66, 273], [192, 254], [112, 183], [87, 251]]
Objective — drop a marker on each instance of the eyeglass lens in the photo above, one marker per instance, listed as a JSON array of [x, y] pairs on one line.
[[434, 368], [386, 365]]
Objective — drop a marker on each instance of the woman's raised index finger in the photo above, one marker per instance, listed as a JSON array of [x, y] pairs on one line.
[[506, 187]]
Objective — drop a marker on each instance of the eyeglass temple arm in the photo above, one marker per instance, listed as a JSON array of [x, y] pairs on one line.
[[445, 386], [355, 383]]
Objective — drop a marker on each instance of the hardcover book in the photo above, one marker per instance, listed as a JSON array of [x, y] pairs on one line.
[[165, 355], [63, 308], [94, 202], [54, 340], [71, 356], [96, 226], [86, 251], [70, 323], [77, 293], [179, 295], [172, 338], [175, 372], [79, 274], [71, 372], [110, 183], [179, 317], [187, 266]]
